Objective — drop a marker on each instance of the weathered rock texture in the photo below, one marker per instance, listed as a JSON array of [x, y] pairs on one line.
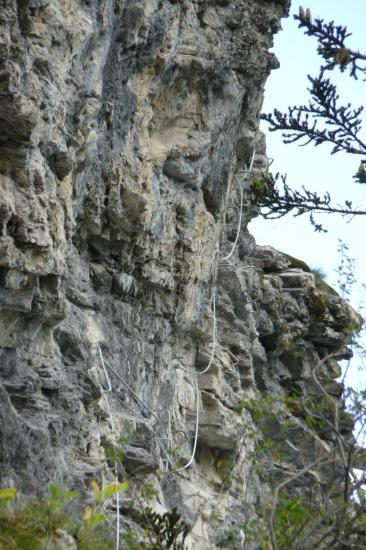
[[124, 126]]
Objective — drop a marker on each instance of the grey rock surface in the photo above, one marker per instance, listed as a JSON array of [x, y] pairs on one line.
[[125, 128]]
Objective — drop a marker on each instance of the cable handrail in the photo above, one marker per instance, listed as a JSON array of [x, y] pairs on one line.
[[214, 332], [197, 373], [142, 403], [247, 171], [127, 386], [196, 429], [105, 392]]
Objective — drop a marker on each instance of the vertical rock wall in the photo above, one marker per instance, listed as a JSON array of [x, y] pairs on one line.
[[126, 129]]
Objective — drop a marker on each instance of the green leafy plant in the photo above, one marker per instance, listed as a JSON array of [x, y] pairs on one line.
[[320, 276], [35, 524], [6, 496], [290, 520], [105, 492], [259, 188], [148, 491], [162, 531]]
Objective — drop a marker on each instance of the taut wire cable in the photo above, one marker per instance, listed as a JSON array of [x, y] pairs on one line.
[[105, 392]]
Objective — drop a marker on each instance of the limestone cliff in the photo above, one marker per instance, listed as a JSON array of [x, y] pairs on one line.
[[128, 130]]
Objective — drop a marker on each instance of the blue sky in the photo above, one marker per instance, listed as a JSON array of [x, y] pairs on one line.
[[311, 166]]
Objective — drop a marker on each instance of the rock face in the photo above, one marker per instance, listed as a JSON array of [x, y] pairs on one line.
[[127, 130]]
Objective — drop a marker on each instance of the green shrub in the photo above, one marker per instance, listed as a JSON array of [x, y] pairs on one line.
[[37, 524]]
